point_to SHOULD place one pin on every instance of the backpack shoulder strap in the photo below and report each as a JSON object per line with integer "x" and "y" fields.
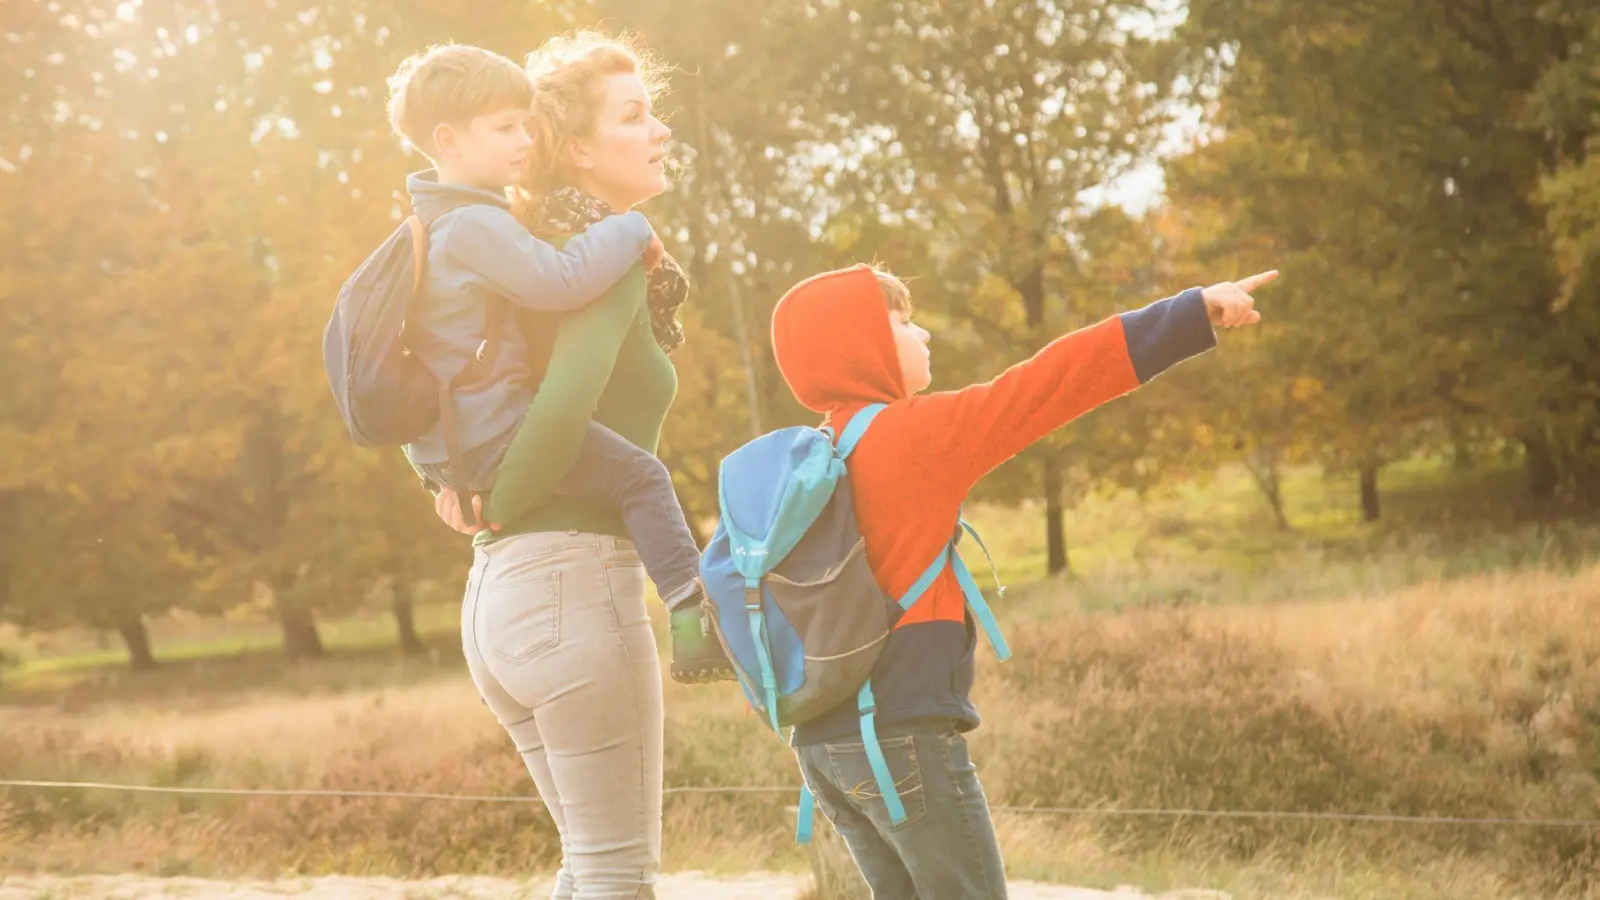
{"x": 440, "y": 210}
{"x": 949, "y": 556}
{"x": 419, "y": 250}
{"x": 857, "y": 427}
{"x": 1000, "y": 589}
{"x": 978, "y": 606}
{"x": 496, "y": 316}
{"x": 447, "y": 410}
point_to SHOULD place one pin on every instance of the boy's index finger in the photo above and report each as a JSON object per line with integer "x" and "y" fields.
{"x": 1257, "y": 280}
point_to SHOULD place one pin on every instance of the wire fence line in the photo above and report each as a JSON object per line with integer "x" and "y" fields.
{"x": 1151, "y": 812}
{"x": 319, "y": 792}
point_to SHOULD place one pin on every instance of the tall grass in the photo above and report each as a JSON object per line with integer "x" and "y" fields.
{"x": 1441, "y": 662}
{"x": 1478, "y": 697}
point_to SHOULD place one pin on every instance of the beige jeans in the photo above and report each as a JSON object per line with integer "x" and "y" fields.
{"x": 559, "y": 644}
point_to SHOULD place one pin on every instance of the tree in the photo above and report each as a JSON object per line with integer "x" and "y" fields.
{"x": 194, "y": 180}
{"x": 1391, "y": 118}
{"x": 106, "y": 564}
{"x": 740, "y": 217}
{"x": 985, "y": 124}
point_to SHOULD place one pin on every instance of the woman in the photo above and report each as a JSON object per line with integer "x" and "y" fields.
{"x": 553, "y": 624}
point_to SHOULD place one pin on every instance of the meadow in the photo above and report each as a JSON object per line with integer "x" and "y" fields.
{"x": 1442, "y": 662}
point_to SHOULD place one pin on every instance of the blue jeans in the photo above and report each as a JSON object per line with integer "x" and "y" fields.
{"x": 612, "y": 471}
{"x": 946, "y": 848}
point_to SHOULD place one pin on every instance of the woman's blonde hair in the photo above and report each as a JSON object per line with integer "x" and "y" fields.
{"x": 567, "y": 74}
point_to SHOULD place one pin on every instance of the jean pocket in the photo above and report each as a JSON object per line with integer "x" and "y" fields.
{"x": 852, "y": 772}
{"x": 622, "y": 554}
{"x": 522, "y": 620}
{"x": 625, "y": 585}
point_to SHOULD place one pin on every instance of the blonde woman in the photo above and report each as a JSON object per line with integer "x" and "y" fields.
{"x": 554, "y": 624}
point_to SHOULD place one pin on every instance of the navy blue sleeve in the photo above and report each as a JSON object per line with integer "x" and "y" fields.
{"x": 1167, "y": 332}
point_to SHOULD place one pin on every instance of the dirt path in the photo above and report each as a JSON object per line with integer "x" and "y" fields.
{"x": 683, "y": 886}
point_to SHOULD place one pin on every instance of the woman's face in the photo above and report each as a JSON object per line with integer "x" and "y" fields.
{"x": 622, "y": 162}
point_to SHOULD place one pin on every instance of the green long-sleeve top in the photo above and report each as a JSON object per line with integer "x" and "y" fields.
{"x": 603, "y": 363}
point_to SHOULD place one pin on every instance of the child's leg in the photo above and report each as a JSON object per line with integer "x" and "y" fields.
{"x": 877, "y": 859}
{"x": 945, "y": 848}
{"x": 611, "y": 470}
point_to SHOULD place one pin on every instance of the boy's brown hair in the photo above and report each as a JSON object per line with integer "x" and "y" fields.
{"x": 896, "y": 295}
{"x": 451, "y": 84}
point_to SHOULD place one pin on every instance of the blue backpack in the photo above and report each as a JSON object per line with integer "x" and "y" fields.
{"x": 386, "y": 396}
{"x": 792, "y": 597}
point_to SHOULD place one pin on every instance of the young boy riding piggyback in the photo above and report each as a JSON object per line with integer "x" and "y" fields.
{"x": 466, "y": 110}
{"x": 846, "y": 344}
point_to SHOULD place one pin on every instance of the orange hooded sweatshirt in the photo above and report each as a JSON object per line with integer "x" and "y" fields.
{"x": 916, "y": 464}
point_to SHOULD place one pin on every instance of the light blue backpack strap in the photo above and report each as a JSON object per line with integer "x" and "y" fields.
{"x": 969, "y": 589}
{"x": 758, "y": 631}
{"x": 806, "y": 820}
{"x": 857, "y": 427}
{"x": 980, "y": 608}
{"x": 1000, "y": 589}
{"x": 880, "y": 766}
{"x": 926, "y": 579}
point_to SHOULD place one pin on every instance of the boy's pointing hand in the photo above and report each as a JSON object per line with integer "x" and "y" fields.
{"x": 1229, "y": 303}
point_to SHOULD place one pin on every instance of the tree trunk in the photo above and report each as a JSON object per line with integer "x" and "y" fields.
{"x": 1540, "y": 464}
{"x": 300, "y": 638}
{"x": 405, "y": 620}
{"x": 1370, "y": 508}
{"x": 10, "y": 523}
{"x": 742, "y": 333}
{"x": 1054, "y": 521}
{"x": 695, "y": 531}
{"x": 1268, "y": 476}
{"x": 1460, "y": 447}
{"x": 1587, "y": 480}
{"x": 707, "y": 493}
{"x": 707, "y": 163}
{"x": 137, "y": 638}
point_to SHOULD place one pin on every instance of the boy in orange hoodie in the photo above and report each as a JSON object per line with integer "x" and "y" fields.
{"x": 844, "y": 340}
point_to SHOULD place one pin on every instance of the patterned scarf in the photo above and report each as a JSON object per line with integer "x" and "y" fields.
{"x": 571, "y": 210}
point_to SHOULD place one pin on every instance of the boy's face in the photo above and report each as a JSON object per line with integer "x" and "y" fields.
{"x": 911, "y": 346}
{"x": 487, "y": 151}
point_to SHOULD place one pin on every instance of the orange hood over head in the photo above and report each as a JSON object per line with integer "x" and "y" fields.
{"x": 833, "y": 342}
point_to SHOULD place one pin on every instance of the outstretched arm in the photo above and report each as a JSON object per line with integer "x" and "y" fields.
{"x": 978, "y": 428}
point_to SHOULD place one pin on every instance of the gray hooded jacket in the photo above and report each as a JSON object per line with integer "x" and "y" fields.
{"x": 478, "y": 251}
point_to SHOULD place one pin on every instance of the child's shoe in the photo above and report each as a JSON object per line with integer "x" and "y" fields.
{"x": 697, "y": 654}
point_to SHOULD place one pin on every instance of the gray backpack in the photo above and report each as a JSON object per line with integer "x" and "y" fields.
{"x": 385, "y": 395}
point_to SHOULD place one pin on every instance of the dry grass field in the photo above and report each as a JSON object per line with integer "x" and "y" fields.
{"x": 1389, "y": 682}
